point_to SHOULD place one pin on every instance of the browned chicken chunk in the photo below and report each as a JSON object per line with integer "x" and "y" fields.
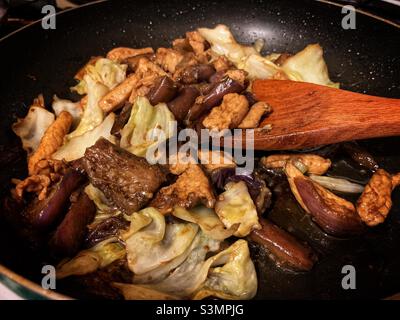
{"x": 375, "y": 202}
{"x": 191, "y": 188}
{"x": 229, "y": 114}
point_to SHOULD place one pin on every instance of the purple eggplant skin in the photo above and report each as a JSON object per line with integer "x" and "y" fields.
{"x": 360, "y": 155}
{"x": 105, "y": 229}
{"x": 286, "y": 249}
{"x": 334, "y": 221}
{"x": 196, "y": 73}
{"x": 45, "y": 213}
{"x": 164, "y": 90}
{"x": 214, "y": 97}
{"x": 122, "y": 119}
{"x": 181, "y": 105}
{"x": 70, "y": 234}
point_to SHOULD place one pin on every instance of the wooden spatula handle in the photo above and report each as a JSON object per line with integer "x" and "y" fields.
{"x": 307, "y": 115}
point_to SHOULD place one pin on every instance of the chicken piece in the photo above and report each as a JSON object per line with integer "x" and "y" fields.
{"x": 121, "y": 53}
{"x": 119, "y": 95}
{"x": 212, "y": 160}
{"x": 375, "y": 202}
{"x": 221, "y": 63}
{"x": 191, "y": 188}
{"x": 315, "y": 164}
{"x": 146, "y": 74}
{"x": 395, "y": 180}
{"x": 196, "y": 41}
{"x": 46, "y": 173}
{"x": 180, "y": 162}
{"x": 237, "y": 75}
{"x": 229, "y": 114}
{"x": 253, "y": 117}
{"x": 37, "y": 183}
{"x": 127, "y": 181}
{"x": 52, "y": 139}
{"x": 168, "y": 59}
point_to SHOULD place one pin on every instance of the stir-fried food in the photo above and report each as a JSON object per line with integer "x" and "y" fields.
{"x": 123, "y": 217}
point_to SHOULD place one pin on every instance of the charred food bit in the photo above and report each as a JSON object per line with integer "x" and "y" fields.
{"x": 128, "y": 181}
{"x": 360, "y": 155}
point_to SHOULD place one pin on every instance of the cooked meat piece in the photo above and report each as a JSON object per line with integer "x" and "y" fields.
{"x": 238, "y": 75}
{"x": 197, "y": 42}
{"x": 180, "y": 162}
{"x": 181, "y": 44}
{"x": 214, "y": 97}
{"x": 122, "y": 118}
{"x": 212, "y": 160}
{"x": 395, "y": 180}
{"x": 52, "y": 139}
{"x": 37, "y": 183}
{"x": 121, "y": 53}
{"x": 126, "y": 180}
{"x": 119, "y": 95}
{"x": 253, "y": 117}
{"x": 133, "y": 62}
{"x": 375, "y": 202}
{"x": 221, "y": 63}
{"x": 229, "y": 114}
{"x": 168, "y": 59}
{"x": 71, "y": 232}
{"x": 191, "y": 188}
{"x": 315, "y": 164}
{"x": 147, "y": 72}
{"x": 105, "y": 229}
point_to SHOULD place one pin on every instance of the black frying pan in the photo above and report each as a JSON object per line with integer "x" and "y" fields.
{"x": 366, "y": 59}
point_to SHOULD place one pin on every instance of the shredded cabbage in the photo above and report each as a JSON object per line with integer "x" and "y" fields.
{"x": 32, "y": 128}
{"x": 136, "y": 135}
{"x": 105, "y": 71}
{"x": 75, "y": 148}
{"x": 235, "y": 207}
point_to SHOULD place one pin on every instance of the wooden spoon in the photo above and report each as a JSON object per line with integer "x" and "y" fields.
{"x": 307, "y": 115}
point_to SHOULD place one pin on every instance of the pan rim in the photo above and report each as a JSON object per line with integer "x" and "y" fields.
{"x": 25, "y": 283}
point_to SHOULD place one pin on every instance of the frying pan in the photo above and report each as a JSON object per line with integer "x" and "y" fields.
{"x": 365, "y": 59}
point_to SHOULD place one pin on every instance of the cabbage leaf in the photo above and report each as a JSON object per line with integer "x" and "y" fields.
{"x": 75, "y": 148}
{"x": 32, "y": 128}
{"x": 235, "y": 206}
{"x": 157, "y": 243}
{"x": 136, "y": 136}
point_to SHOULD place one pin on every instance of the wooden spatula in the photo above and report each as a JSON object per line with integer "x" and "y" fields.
{"x": 308, "y": 115}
